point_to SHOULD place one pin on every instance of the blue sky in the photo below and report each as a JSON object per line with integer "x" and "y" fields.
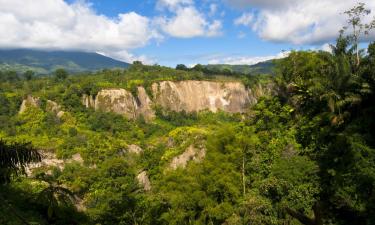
{"x": 170, "y": 32}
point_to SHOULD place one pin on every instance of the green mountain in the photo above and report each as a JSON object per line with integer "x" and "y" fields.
{"x": 265, "y": 67}
{"x": 44, "y": 62}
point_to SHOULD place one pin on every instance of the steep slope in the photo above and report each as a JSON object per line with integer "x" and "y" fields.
{"x": 188, "y": 96}
{"x": 44, "y": 62}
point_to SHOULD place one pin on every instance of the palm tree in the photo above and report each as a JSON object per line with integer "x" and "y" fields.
{"x": 14, "y": 158}
{"x": 54, "y": 196}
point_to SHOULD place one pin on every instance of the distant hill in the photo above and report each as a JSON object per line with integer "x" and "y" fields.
{"x": 265, "y": 67}
{"x": 45, "y": 62}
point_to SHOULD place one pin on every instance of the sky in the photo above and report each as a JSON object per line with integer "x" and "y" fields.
{"x": 171, "y": 32}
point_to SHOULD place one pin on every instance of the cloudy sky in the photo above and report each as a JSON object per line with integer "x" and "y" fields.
{"x": 169, "y": 32}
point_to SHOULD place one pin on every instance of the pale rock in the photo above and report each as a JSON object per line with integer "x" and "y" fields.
{"x": 143, "y": 180}
{"x": 194, "y": 96}
{"x": 135, "y": 149}
{"x": 30, "y": 101}
{"x": 144, "y": 105}
{"x": 55, "y": 108}
{"x": 119, "y": 101}
{"x": 191, "y": 153}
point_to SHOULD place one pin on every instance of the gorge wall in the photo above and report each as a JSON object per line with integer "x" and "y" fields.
{"x": 189, "y": 96}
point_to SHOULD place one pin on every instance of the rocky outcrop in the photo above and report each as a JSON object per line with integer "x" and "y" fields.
{"x": 144, "y": 105}
{"x": 88, "y": 101}
{"x": 193, "y": 96}
{"x": 143, "y": 180}
{"x": 188, "y": 96}
{"x": 191, "y": 153}
{"x": 49, "y": 159}
{"x": 122, "y": 102}
{"x": 28, "y": 102}
{"x": 135, "y": 149}
{"x": 119, "y": 101}
{"x": 55, "y": 108}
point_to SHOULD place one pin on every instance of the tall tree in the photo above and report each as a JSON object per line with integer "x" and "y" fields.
{"x": 356, "y": 15}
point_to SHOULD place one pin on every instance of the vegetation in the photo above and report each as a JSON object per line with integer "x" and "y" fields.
{"x": 305, "y": 155}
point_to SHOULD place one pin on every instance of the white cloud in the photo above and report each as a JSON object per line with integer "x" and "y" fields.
{"x": 129, "y": 57}
{"x": 173, "y": 4}
{"x": 55, "y": 24}
{"x": 298, "y": 21}
{"x": 245, "y": 19}
{"x": 246, "y": 60}
{"x": 187, "y": 21}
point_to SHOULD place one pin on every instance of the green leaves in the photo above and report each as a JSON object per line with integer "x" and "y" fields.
{"x": 14, "y": 158}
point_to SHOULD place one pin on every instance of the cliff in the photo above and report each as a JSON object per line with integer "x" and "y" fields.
{"x": 193, "y": 96}
{"x": 189, "y": 96}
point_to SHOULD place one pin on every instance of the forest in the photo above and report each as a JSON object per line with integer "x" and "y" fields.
{"x": 304, "y": 154}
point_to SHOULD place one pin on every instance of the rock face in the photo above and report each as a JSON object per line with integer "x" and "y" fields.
{"x": 122, "y": 102}
{"x": 193, "y": 96}
{"x": 55, "y": 108}
{"x": 30, "y": 101}
{"x": 135, "y": 149}
{"x": 119, "y": 101}
{"x": 144, "y": 180}
{"x": 50, "y": 160}
{"x": 191, "y": 153}
{"x": 189, "y": 96}
{"x": 144, "y": 104}
{"x": 88, "y": 101}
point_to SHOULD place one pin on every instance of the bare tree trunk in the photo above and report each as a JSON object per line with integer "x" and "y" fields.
{"x": 243, "y": 175}
{"x": 356, "y": 43}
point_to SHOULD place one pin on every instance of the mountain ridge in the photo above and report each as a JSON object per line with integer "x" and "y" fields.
{"x": 45, "y": 62}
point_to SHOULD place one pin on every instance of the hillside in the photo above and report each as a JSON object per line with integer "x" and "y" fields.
{"x": 154, "y": 145}
{"x": 265, "y": 67}
{"x": 45, "y": 62}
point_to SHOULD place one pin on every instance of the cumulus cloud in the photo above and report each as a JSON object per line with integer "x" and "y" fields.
{"x": 55, "y": 24}
{"x": 186, "y": 21}
{"x": 246, "y": 60}
{"x": 297, "y": 21}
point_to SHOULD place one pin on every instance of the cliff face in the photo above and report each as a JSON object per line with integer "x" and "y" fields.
{"x": 193, "y": 96}
{"x": 189, "y": 96}
{"x": 118, "y": 101}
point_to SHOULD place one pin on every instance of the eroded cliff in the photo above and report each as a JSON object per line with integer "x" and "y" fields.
{"x": 188, "y": 96}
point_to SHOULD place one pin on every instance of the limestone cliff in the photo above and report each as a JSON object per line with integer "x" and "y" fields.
{"x": 122, "y": 102}
{"x": 193, "y": 96}
{"x": 144, "y": 105}
{"x": 119, "y": 101}
{"x": 189, "y": 96}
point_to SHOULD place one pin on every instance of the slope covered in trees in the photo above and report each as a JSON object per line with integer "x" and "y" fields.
{"x": 305, "y": 155}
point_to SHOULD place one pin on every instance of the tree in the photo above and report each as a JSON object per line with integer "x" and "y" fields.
{"x": 355, "y": 20}
{"x": 28, "y": 75}
{"x": 14, "y": 158}
{"x": 137, "y": 63}
{"x": 54, "y": 196}
{"x": 181, "y": 67}
{"x": 61, "y": 74}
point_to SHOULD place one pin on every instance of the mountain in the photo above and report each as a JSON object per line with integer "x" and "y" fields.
{"x": 45, "y": 62}
{"x": 265, "y": 67}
